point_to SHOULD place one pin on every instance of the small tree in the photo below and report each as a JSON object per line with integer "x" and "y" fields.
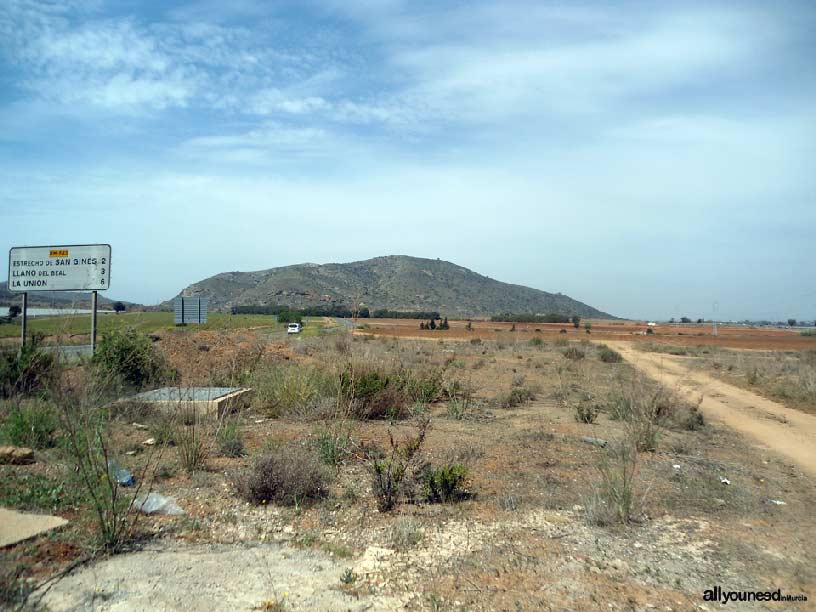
{"x": 685, "y": 320}
{"x": 576, "y": 321}
{"x": 14, "y": 310}
{"x": 588, "y": 327}
{"x": 422, "y": 325}
{"x": 469, "y": 326}
{"x": 119, "y": 307}
{"x": 699, "y": 320}
{"x": 432, "y": 324}
{"x": 444, "y": 324}
{"x": 791, "y": 322}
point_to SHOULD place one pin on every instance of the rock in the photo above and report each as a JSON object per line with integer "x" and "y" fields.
{"x": 594, "y": 441}
{"x": 16, "y": 455}
{"x": 149, "y": 442}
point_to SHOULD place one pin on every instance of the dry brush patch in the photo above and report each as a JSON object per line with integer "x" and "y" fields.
{"x": 524, "y": 478}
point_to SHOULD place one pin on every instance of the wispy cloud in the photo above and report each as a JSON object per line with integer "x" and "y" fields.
{"x": 653, "y": 140}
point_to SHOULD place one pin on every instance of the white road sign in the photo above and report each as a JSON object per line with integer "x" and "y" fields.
{"x": 84, "y": 267}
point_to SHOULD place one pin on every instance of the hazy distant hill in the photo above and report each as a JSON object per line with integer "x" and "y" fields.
{"x": 54, "y": 299}
{"x": 396, "y": 282}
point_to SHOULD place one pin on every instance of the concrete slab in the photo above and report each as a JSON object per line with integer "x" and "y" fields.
{"x": 16, "y": 526}
{"x": 206, "y": 401}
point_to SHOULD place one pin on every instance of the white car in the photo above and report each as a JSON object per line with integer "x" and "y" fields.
{"x": 294, "y": 328}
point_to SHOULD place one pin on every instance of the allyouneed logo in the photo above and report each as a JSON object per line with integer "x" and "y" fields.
{"x": 725, "y": 597}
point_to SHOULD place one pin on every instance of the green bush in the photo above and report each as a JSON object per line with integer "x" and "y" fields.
{"x": 229, "y": 440}
{"x": 608, "y": 355}
{"x": 26, "y": 370}
{"x": 291, "y": 390}
{"x": 536, "y": 342}
{"x": 585, "y": 412}
{"x": 614, "y": 498}
{"x": 130, "y": 359}
{"x": 425, "y": 387}
{"x": 30, "y": 423}
{"x": 333, "y": 447}
{"x": 515, "y": 397}
{"x": 444, "y": 484}
{"x": 376, "y": 394}
{"x": 389, "y": 471}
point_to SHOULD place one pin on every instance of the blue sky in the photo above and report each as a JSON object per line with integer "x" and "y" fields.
{"x": 649, "y": 159}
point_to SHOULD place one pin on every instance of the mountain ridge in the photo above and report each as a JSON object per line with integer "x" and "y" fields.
{"x": 392, "y": 282}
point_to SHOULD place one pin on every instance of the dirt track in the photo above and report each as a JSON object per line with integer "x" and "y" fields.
{"x": 783, "y": 430}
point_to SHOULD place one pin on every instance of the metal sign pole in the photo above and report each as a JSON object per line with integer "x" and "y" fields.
{"x": 25, "y": 318}
{"x": 93, "y": 322}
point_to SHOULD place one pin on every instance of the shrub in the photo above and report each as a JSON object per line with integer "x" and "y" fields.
{"x": 15, "y": 587}
{"x": 536, "y": 342}
{"x": 131, "y": 359}
{"x": 444, "y": 484}
{"x": 425, "y": 387}
{"x": 85, "y": 423}
{"x": 573, "y": 353}
{"x": 26, "y": 370}
{"x": 192, "y": 443}
{"x": 292, "y": 389}
{"x": 389, "y": 470}
{"x": 291, "y": 475}
{"x": 515, "y": 397}
{"x": 374, "y": 394}
{"x": 333, "y": 446}
{"x": 585, "y": 412}
{"x": 30, "y": 423}
{"x": 613, "y": 498}
{"x": 404, "y": 533}
{"x": 608, "y": 355}
{"x": 229, "y": 441}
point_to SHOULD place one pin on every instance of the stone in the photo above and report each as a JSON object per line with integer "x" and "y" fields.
{"x": 594, "y": 441}
{"x": 16, "y": 455}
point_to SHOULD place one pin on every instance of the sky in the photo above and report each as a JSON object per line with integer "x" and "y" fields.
{"x": 652, "y": 159}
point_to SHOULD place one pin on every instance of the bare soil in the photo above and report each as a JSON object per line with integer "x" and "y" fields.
{"x": 520, "y": 541}
{"x": 785, "y": 431}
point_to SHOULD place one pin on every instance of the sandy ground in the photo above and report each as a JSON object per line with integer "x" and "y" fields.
{"x": 786, "y": 431}
{"x": 206, "y": 577}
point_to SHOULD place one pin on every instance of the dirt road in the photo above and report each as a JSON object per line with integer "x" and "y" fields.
{"x": 783, "y": 430}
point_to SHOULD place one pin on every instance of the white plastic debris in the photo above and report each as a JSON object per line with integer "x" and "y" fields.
{"x": 778, "y": 502}
{"x": 724, "y": 480}
{"x": 157, "y": 504}
{"x": 149, "y": 442}
{"x": 676, "y": 466}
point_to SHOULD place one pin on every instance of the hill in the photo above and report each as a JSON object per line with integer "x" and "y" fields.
{"x": 395, "y": 282}
{"x": 56, "y": 299}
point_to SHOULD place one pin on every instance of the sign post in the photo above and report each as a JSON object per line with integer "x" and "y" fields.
{"x": 93, "y": 322}
{"x": 24, "y": 323}
{"x": 77, "y": 267}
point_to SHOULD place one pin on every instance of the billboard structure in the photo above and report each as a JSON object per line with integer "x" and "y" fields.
{"x": 190, "y": 310}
